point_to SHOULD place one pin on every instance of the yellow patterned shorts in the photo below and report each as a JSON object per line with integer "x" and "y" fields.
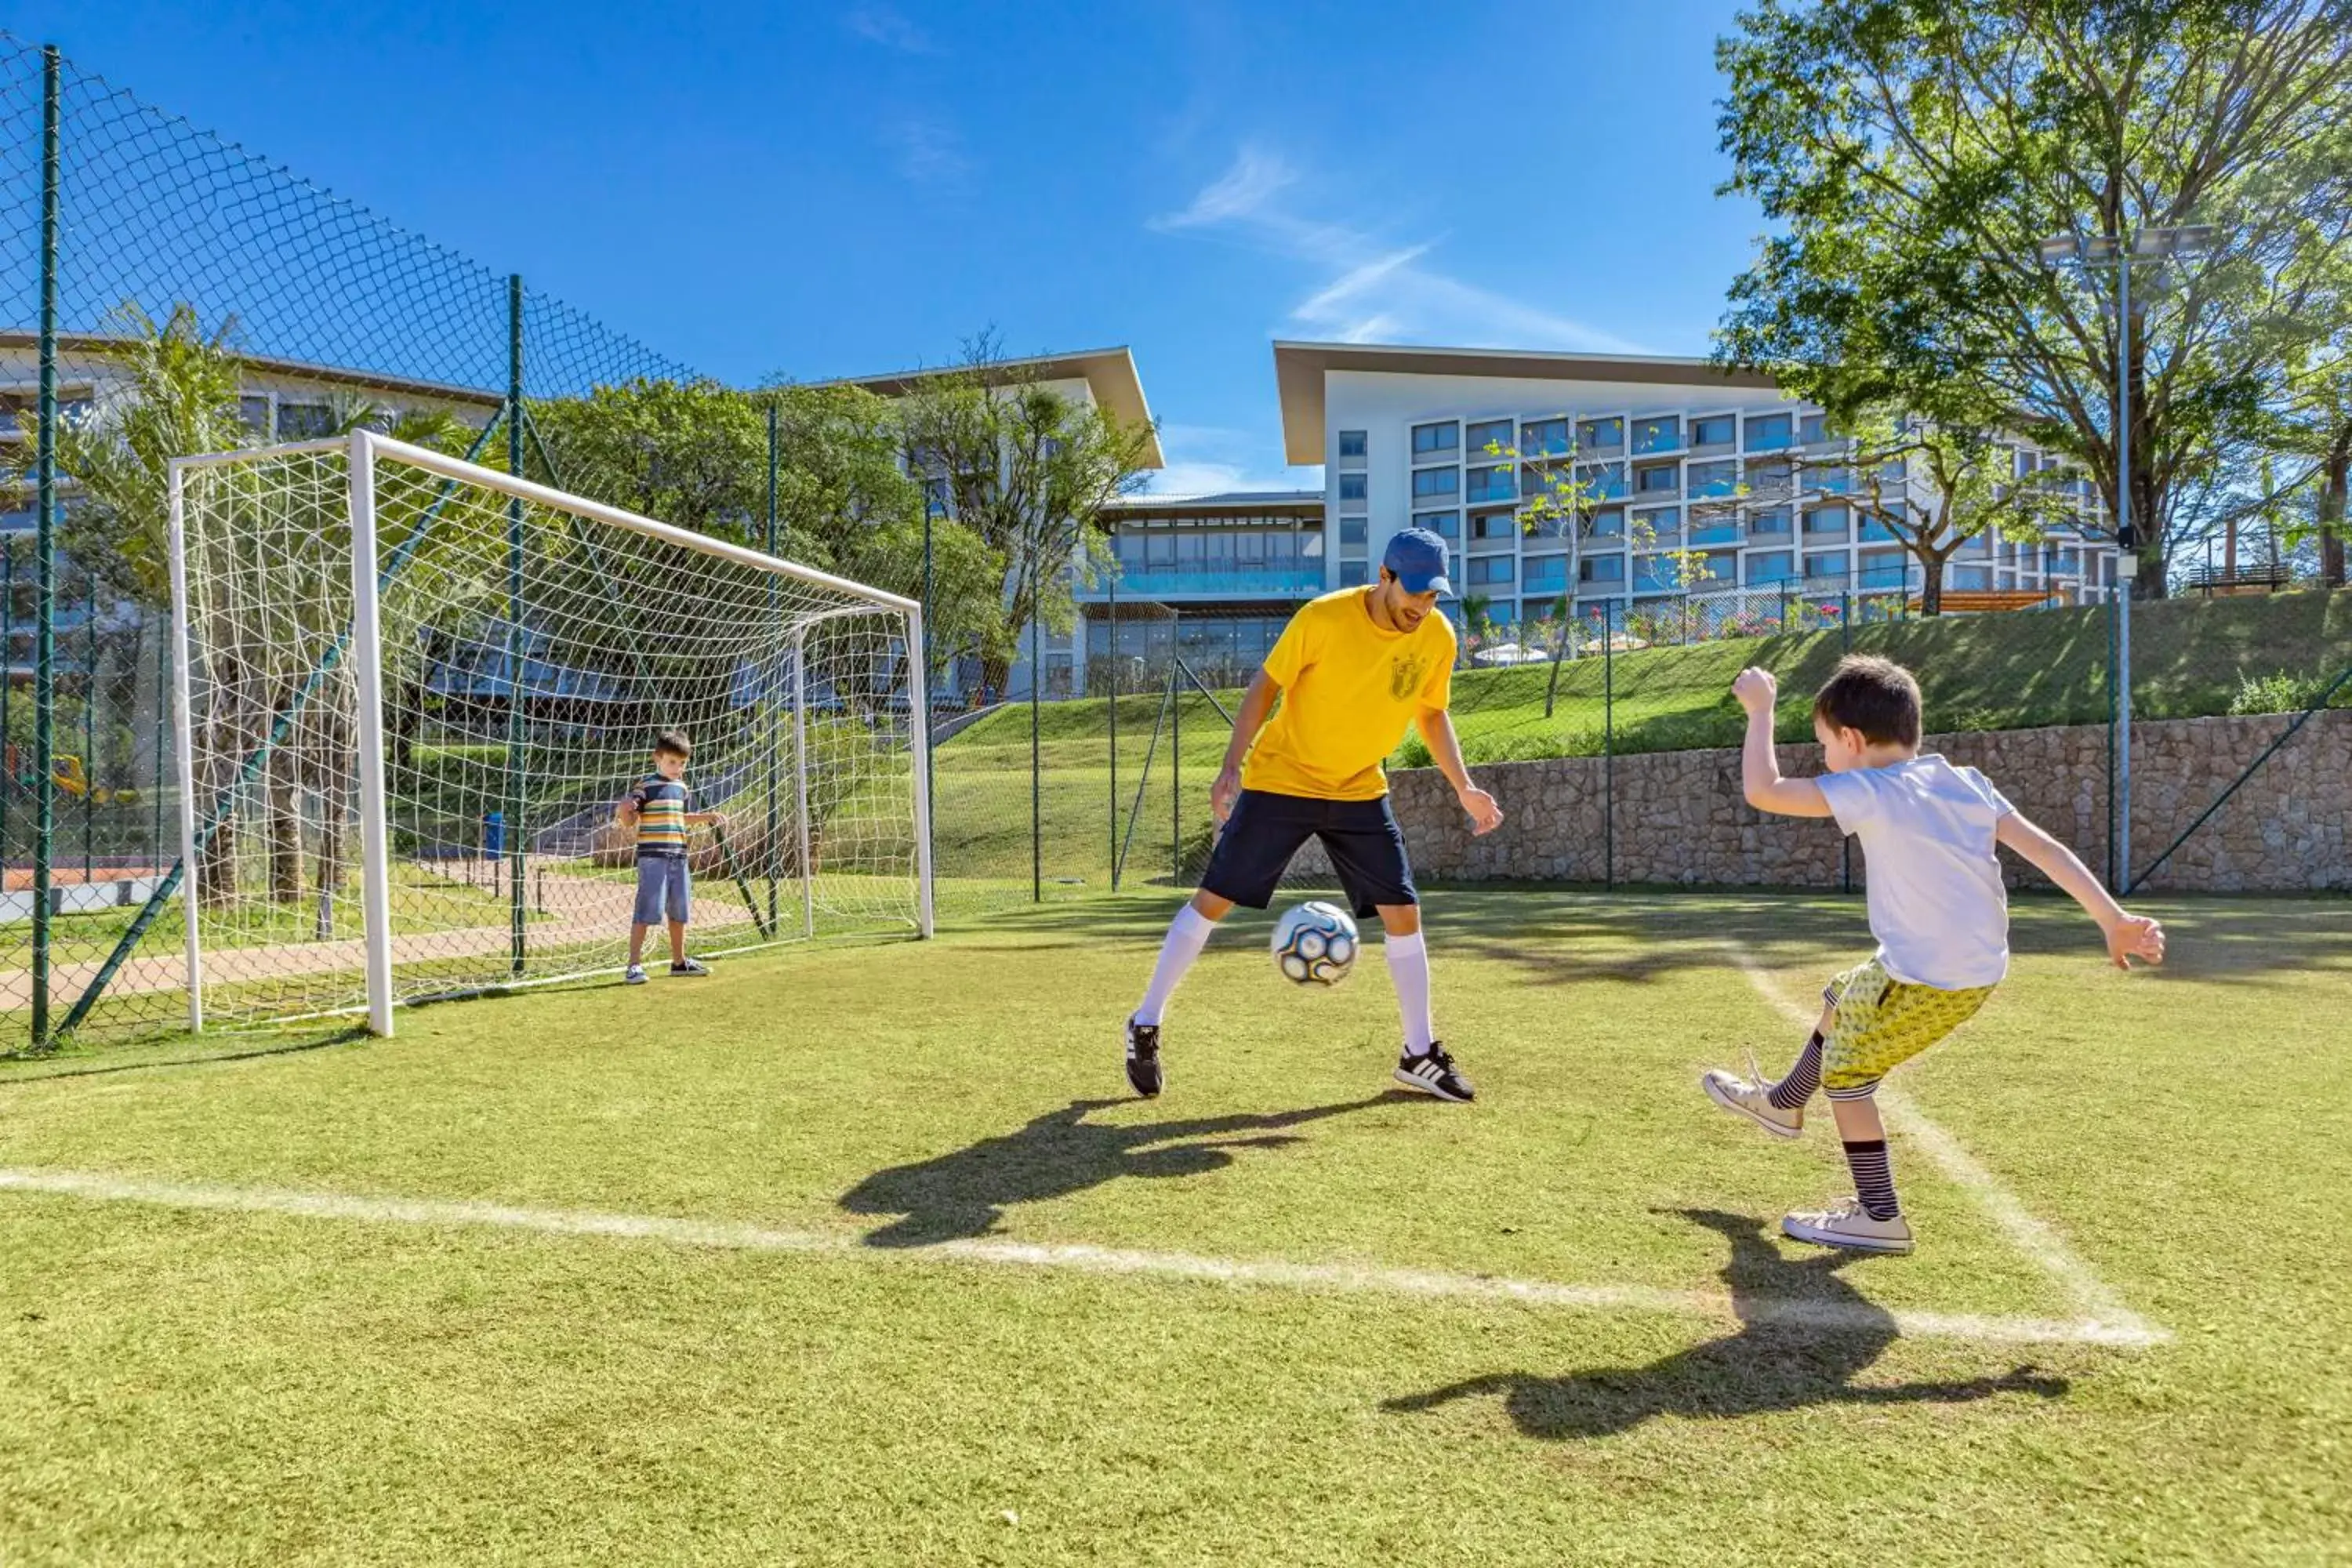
{"x": 1881, "y": 1021}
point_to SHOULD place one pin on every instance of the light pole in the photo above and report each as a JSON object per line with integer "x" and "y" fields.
{"x": 2097, "y": 252}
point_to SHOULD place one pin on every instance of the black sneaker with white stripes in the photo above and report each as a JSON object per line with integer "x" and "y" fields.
{"x": 1143, "y": 1058}
{"x": 1432, "y": 1072}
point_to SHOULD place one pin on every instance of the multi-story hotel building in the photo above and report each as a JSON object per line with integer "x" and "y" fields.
{"x": 1678, "y": 455}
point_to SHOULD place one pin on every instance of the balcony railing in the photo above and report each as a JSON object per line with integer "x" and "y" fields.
{"x": 1242, "y": 583}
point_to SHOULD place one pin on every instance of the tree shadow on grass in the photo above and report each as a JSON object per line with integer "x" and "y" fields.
{"x": 964, "y": 1194}
{"x": 1805, "y": 1334}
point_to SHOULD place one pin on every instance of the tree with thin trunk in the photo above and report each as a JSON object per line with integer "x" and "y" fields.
{"x": 1029, "y": 470}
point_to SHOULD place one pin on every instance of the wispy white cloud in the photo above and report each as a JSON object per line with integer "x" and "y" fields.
{"x": 1203, "y": 459}
{"x": 929, "y": 150}
{"x": 1374, "y": 289}
{"x": 879, "y": 24}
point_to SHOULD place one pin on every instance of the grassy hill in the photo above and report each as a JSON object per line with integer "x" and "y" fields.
{"x": 2190, "y": 657}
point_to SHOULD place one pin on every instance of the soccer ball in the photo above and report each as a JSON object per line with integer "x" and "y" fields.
{"x": 1314, "y": 945}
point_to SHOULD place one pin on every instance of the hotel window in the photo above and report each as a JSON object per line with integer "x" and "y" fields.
{"x": 1663, "y": 434}
{"x": 1768, "y": 433}
{"x": 1492, "y": 484}
{"x": 1546, "y": 572}
{"x": 1874, "y": 530}
{"x": 1444, "y": 482}
{"x": 1354, "y": 574}
{"x": 1600, "y": 569}
{"x": 1773, "y": 523}
{"x": 1352, "y": 530}
{"x": 1494, "y": 525}
{"x": 1812, "y": 428}
{"x": 1601, "y": 481}
{"x": 1352, "y": 487}
{"x": 1664, "y": 524}
{"x": 1352, "y": 443}
{"x": 304, "y": 421}
{"x": 1720, "y": 478}
{"x": 1444, "y": 524}
{"x": 1771, "y": 566}
{"x": 1884, "y": 568}
{"x": 1659, "y": 478}
{"x": 1435, "y": 440}
{"x": 1544, "y": 439}
{"x": 1159, "y": 548}
{"x": 1715, "y": 430}
{"x": 1819, "y": 566}
{"x": 1825, "y": 522}
{"x": 1971, "y": 579}
{"x": 1600, "y": 434}
{"x": 1715, "y": 528}
{"x": 1490, "y": 569}
{"x": 1653, "y": 573}
{"x": 1607, "y": 523}
{"x": 1489, "y": 438}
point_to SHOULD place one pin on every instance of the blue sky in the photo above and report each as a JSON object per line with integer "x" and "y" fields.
{"x": 839, "y": 186}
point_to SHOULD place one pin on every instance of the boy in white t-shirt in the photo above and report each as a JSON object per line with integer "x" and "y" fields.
{"x": 1937, "y": 907}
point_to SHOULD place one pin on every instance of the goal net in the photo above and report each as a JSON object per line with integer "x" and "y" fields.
{"x": 414, "y": 690}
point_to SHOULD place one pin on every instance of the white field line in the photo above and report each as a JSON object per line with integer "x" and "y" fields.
{"x": 2032, "y": 1236}
{"x": 1265, "y": 1273}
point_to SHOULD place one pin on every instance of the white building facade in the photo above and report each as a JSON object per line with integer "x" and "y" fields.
{"x": 1706, "y": 483}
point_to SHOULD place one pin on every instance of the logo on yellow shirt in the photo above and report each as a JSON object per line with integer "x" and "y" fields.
{"x": 1407, "y": 673}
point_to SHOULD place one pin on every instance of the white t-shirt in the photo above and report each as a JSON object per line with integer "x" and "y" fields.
{"x": 1936, "y": 904}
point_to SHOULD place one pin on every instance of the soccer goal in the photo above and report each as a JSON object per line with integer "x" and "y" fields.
{"x": 411, "y": 691}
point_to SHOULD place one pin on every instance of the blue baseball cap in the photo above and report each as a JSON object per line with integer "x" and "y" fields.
{"x": 1418, "y": 558}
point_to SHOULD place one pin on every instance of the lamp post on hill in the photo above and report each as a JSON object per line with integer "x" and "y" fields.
{"x": 2087, "y": 254}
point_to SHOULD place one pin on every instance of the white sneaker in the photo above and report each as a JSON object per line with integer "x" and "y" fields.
{"x": 633, "y": 975}
{"x": 1846, "y": 1223}
{"x": 1752, "y": 1100}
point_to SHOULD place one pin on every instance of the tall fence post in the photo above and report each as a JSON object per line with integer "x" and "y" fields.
{"x": 1037, "y": 762}
{"x": 90, "y": 731}
{"x": 1175, "y": 768}
{"x": 1608, "y": 743}
{"x": 516, "y": 830}
{"x": 8, "y": 681}
{"x": 44, "y": 674}
{"x": 1114, "y": 727}
{"x": 1846, "y": 645}
{"x": 774, "y": 828}
{"x": 2114, "y": 620}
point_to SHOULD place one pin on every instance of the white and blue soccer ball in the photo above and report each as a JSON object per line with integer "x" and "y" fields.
{"x": 1314, "y": 945}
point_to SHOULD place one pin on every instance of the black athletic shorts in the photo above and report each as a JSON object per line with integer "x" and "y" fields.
{"x": 1266, "y": 830}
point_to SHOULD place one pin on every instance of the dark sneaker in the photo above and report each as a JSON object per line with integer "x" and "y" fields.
{"x": 1433, "y": 1072}
{"x": 1143, "y": 1058}
{"x": 691, "y": 966}
{"x": 633, "y": 975}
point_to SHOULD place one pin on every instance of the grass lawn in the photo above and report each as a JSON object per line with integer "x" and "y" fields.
{"x": 2190, "y": 657}
{"x": 901, "y": 1275}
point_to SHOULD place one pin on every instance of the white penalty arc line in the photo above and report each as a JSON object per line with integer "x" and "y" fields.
{"x": 1342, "y": 1279}
{"x": 2034, "y": 1237}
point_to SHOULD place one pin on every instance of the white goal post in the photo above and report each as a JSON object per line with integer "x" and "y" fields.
{"x": 411, "y": 692}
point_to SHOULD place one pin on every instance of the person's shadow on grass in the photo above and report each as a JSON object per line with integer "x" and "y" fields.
{"x": 964, "y": 1194}
{"x": 1805, "y": 1334}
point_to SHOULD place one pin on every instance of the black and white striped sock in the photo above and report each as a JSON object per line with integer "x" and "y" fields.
{"x": 1791, "y": 1092}
{"x": 1873, "y": 1183}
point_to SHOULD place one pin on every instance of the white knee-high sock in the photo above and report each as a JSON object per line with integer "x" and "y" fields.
{"x": 1187, "y": 935}
{"x": 1408, "y": 958}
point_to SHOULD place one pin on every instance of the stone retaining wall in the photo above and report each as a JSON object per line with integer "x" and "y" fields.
{"x": 1679, "y": 815}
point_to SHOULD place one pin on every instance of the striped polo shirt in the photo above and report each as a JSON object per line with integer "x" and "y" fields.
{"x": 661, "y": 818}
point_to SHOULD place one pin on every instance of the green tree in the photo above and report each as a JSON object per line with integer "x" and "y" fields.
{"x": 848, "y": 505}
{"x": 1028, "y": 470}
{"x": 1913, "y": 151}
{"x": 690, "y": 453}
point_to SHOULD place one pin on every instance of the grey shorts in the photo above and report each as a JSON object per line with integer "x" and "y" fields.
{"x": 662, "y": 888}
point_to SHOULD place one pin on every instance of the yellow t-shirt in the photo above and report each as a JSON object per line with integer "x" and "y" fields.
{"x": 1350, "y": 691}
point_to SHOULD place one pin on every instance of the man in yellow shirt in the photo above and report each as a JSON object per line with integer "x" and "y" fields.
{"x": 1353, "y": 671}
